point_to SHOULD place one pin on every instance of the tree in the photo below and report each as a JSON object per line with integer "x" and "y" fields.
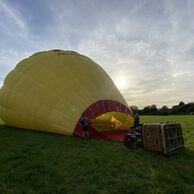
{"x": 181, "y": 108}
{"x": 164, "y": 110}
{"x": 190, "y": 109}
{"x": 134, "y": 108}
{"x": 146, "y": 110}
{"x": 181, "y": 103}
{"x": 174, "y": 110}
{"x": 153, "y": 110}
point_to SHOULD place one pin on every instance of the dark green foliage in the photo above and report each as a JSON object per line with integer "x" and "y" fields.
{"x": 42, "y": 163}
{"x": 150, "y": 110}
{"x": 164, "y": 110}
{"x": 180, "y": 109}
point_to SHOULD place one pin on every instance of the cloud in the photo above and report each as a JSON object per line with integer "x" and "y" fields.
{"x": 11, "y": 13}
{"x": 148, "y": 43}
{"x": 10, "y": 16}
{"x": 1, "y": 81}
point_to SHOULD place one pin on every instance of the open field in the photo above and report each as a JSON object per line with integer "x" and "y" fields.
{"x": 42, "y": 163}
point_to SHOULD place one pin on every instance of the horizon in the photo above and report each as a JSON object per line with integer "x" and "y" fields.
{"x": 146, "y": 47}
{"x": 159, "y": 107}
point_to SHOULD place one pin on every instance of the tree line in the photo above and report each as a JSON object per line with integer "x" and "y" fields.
{"x": 179, "y": 109}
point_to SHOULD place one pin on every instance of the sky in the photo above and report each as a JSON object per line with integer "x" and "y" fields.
{"x": 146, "y": 46}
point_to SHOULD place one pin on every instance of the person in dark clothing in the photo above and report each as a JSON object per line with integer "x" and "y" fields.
{"x": 133, "y": 138}
{"x": 85, "y": 125}
{"x": 137, "y": 121}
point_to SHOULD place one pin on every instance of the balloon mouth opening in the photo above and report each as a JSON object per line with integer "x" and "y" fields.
{"x": 112, "y": 121}
{"x": 105, "y": 118}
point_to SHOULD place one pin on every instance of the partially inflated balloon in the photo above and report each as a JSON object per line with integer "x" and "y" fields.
{"x": 50, "y": 90}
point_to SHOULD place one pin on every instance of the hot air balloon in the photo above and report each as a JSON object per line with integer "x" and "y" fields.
{"x": 50, "y": 90}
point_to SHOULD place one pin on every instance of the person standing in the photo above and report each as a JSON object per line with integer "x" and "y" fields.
{"x": 85, "y": 125}
{"x": 137, "y": 121}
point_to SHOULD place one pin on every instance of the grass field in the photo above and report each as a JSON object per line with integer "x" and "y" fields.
{"x": 42, "y": 163}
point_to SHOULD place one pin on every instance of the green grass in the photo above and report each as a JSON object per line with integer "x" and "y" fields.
{"x": 42, "y": 163}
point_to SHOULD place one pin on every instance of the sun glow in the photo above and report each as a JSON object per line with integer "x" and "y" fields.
{"x": 120, "y": 83}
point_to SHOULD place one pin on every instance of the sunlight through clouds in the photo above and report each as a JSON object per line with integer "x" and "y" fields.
{"x": 145, "y": 46}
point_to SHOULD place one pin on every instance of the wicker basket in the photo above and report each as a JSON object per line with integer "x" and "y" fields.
{"x": 166, "y": 138}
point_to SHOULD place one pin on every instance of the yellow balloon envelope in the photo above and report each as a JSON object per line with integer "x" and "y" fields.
{"x": 50, "y": 90}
